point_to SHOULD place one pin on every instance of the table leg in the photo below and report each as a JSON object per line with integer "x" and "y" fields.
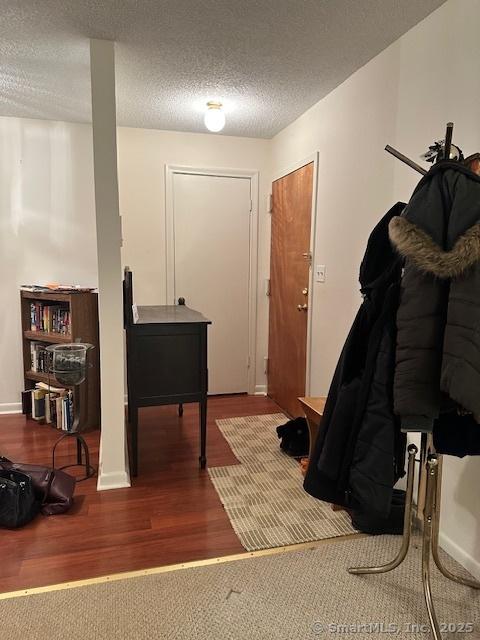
{"x": 203, "y": 433}
{"x": 134, "y": 435}
{"x": 129, "y": 409}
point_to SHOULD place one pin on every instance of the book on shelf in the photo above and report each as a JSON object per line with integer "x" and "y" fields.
{"x": 50, "y": 405}
{"x": 38, "y": 357}
{"x": 49, "y": 318}
{"x": 27, "y": 402}
{"x": 38, "y": 404}
{"x": 58, "y": 402}
{"x": 49, "y": 387}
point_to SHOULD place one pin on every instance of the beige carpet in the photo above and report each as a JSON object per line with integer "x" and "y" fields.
{"x": 286, "y": 596}
{"x": 263, "y": 496}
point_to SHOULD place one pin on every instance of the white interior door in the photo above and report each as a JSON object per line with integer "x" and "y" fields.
{"x": 211, "y": 217}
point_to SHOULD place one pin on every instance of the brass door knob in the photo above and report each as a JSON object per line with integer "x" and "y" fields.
{"x": 305, "y": 291}
{"x": 302, "y": 307}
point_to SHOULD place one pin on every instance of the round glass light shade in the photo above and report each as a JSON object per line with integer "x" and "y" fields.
{"x": 214, "y": 117}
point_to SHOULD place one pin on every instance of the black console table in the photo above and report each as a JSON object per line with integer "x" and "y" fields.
{"x": 166, "y": 362}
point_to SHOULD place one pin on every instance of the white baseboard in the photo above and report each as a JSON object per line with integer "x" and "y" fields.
{"x": 113, "y": 480}
{"x": 11, "y": 407}
{"x": 261, "y": 390}
{"x": 470, "y": 563}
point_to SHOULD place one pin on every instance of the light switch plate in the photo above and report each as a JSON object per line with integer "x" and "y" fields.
{"x": 320, "y": 273}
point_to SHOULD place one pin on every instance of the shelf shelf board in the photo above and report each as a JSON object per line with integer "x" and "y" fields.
{"x": 37, "y": 376}
{"x": 51, "y": 297}
{"x": 43, "y": 336}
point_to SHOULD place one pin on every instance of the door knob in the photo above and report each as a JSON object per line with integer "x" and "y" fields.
{"x": 305, "y": 291}
{"x": 302, "y": 307}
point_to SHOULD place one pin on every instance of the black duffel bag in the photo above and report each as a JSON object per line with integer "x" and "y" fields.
{"x": 18, "y": 504}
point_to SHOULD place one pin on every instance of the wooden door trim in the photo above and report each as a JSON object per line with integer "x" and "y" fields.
{"x": 253, "y": 176}
{"x": 281, "y": 173}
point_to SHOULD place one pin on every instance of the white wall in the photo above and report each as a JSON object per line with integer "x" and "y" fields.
{"x": 143, "y": 154}
{"x": 47, "y": 215}
{"x": 47, "y": 224}
{"x": 438, "y": 83}
{"x": 403, "y": 97}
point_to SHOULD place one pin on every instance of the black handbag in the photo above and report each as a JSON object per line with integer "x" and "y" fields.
{"x": 17, "y": 499}
{"x": 53, "y": 488}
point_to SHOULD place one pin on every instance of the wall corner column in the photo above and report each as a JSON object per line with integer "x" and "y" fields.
{"x": 113, "y": 460}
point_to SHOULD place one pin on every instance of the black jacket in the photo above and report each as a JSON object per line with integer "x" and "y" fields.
{"x": 438, "y": 343}
{"x": 359, "y": 452}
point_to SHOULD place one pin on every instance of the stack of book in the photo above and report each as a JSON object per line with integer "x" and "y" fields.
{"x": 50, "y": 405}
{"x": 53, "y": 287}
{"x": 49, "y": 318}
{"x": 38, "y": 357}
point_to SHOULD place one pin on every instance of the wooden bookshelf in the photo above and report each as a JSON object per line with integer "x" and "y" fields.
{"x": 83, "y": 309}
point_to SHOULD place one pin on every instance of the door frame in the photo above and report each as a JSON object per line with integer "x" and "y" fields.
{"x": 314, "y": 157}
{"x": 253, "y": 176}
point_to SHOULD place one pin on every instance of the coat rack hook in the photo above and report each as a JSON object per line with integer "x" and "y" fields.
{"x": 407, "y": 161}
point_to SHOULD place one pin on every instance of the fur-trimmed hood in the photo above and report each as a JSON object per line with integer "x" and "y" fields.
{"x": 414, "y": 243}
{"x": 439, "y": 230}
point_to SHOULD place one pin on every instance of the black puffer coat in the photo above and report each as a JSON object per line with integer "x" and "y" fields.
{"x": 359, "y": 453}
{"x": 438, "y": 343}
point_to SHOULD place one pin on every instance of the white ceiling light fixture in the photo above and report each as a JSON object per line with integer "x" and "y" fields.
{"x": 214, "y": 116}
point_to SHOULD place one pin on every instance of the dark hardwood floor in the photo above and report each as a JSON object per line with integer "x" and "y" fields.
{"x": 171, "y": 514}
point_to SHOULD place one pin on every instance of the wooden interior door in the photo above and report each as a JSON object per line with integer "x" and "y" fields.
{"x": 289, "y": 281}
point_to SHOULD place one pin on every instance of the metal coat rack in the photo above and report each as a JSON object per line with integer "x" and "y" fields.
{"x": 429, "y": 486}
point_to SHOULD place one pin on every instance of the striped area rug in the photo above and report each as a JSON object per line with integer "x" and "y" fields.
{"x": 263, "y": 495}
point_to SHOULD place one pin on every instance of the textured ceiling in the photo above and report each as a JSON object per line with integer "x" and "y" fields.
{"x": 267, "y": 60}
